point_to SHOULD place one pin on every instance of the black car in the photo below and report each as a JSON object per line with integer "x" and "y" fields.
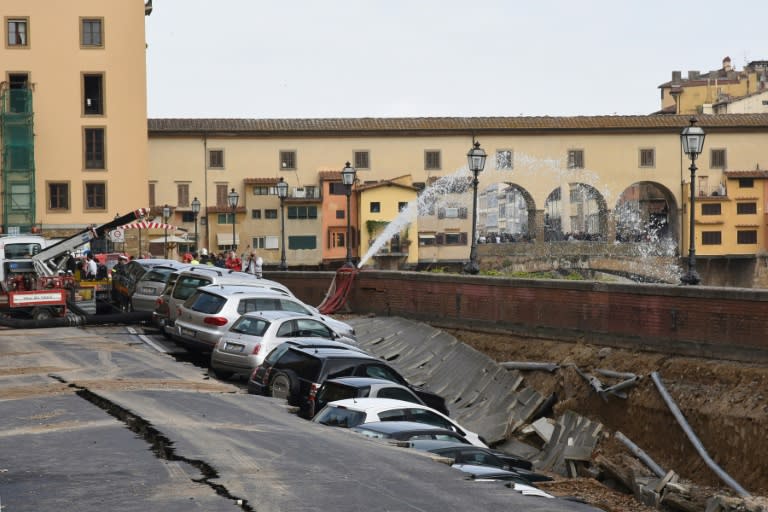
{"x": 363, "y": 387}
{"x": 408, "y": 431}
{"x": 296, "y": 374}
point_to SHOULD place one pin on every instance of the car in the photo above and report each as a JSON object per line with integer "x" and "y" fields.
{"x": 182, "y": 284}
{"x": 352, "y": 412}
{"x": 464, "y": 454}
{"x": 298, "y": 374}
{"x": 252, "y": 336}
{"x": 255, "y": 385}
{"x": 125, "y": 277}
{"x": 362, "y": 387}
{"x": 407, "y": 431}
{"x": 149, "y": 286}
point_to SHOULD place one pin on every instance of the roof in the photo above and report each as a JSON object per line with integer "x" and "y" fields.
{"x": 388, "y": 427}
{"x": 385, "y": 183}
{"x": 376, "y": 404}
{"x": 363, "y": 381}
{"x": 426, "y": 125}
{"x": 756, "y": 173}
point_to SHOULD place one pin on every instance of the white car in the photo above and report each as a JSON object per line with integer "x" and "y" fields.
{"x": 352, "y": 412}
{"x": 255, "y": 334}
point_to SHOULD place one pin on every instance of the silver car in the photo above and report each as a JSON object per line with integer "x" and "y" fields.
{"x": 151, "y": 285}
{"x": 211, "y": 310}
{"x": 254, "y": 335}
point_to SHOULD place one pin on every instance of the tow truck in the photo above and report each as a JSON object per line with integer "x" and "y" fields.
{"x": 34, "y": 282}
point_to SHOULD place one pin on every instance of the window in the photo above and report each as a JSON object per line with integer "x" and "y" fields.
{"x": 504, "y": 159}
{"x": 402, "y": 205}
{"x": 455, "y": 239}
{"x": 264, "y": 190}
{"x": 426, "y": 239}
{"x": 270, "y": 214}
{"x": 18, "y": 32}
{"x": 340, "y": 214}
{"x": 302, "y": 212}
{"x": 95, "y": 195}
{"x": 710, "y": 209}
{"x": 432, "y": 160}
{"x": 221, "y": 195}
{"x": 362, "y": 160}
{"x": 375, "y": 207}
{"x": 647, "y": 158}
{"x": 287, "y": 160}
{"x": 337, "y": 189}
{"x": 94, "y": 148}
{"x": 302, "y": 242}
{"x": 21, "y": 196}
{"x": 711, "y": 238}
{"x": 746, "y": 182}
{"x": 187, "y": 217}
{"x": 746, "y": 208}
{"x": 575, "y": 158}
{"x": 19, "y": 93}
{"x": 746, "y": 237}
{"x": 457, "y": 212}
{"x": 225, "y": 218}
{"x": 336, "y": 239}
{"x": 91, "y": 32}
{"x": 182, "y": 194}
{"x": 717, "y": 159}
{"x": 152, "y": 200}
{"x": 93, "y": 95}
{"x": 58, "y": 196}
{"x": 255, "y": 214}
{"x": 215, "y": 158}
{"x": 265, "y": 242}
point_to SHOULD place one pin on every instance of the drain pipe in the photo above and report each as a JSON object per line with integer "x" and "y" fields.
{"x": 725, "y": 477}
{"x": 75, "y": 320}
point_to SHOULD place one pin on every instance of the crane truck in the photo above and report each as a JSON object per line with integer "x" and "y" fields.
{"x": 33, "y": 278}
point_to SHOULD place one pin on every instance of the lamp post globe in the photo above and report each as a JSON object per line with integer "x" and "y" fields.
{"x": 233, "y": 197}
{"x": 692, "y": 140}
{"x": 476, "y": 163}
{"x": 195, "y": 211}
{"x": 282, "y": 193}
{"x": 348, "y": 179}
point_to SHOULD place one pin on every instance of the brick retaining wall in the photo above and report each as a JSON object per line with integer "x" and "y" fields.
{"x": 728, "y": 323}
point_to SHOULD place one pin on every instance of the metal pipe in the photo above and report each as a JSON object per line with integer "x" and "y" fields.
{"x": 640, "y": 454}
{"x": 528, "y": 365}
{"x": 725, "y": 477}
{"x": 614, "y": 374}
{"x": 622, "y": 385}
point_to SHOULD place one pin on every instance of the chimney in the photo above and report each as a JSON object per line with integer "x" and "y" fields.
{"x": 677, "y": 76}
{"x": 693, "y": 75}
{"x": 727, "y": 64}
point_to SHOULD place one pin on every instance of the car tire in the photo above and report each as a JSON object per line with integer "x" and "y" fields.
{"x": 284, "y": 384}
{"x": 220, "y": 374}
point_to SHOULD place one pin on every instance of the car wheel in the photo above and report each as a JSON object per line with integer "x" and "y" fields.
{"x": 283, "y": 385}
{"x": 220, "y": 374}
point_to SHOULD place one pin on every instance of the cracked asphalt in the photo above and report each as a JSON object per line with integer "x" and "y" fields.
{"x": 106, "y": 419}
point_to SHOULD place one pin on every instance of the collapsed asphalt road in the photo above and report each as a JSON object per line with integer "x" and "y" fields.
{"x": 92, "y": 422}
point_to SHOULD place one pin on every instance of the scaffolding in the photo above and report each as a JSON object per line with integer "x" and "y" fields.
{"x": 18, "y": 159}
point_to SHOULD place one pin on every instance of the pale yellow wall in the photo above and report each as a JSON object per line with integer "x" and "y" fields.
{"x": 388, "y": 197}
{"x": 749, "y": 105}
{"x": 55, "y": 62}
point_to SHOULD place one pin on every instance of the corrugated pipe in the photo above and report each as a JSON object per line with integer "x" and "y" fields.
{"x": 76, "y": 320}
{"x": 725, "y": 477}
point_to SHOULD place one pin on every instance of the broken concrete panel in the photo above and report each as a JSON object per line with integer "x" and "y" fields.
{"x": 543, "y": 428}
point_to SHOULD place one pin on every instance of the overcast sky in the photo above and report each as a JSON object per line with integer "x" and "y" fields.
{"x": 423, "y": 58}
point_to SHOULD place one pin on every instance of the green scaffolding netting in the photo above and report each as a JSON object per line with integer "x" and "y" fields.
{"x": 18, "y": 159}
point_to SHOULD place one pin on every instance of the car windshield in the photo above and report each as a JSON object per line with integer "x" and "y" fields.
{"x": 187, "y": 285}
{"x": 332, "y": 391}
{"x": 250, "y": 326}
{"x": 339, "y": 417}
{"x": 21, "y": 250}
{"x": 206, "y": 303}
{"x": 157, "y": 275}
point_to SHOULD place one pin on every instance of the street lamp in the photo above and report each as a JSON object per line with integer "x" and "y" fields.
{"x": 166, "y": 214}
{"x": 232, "y": 198}
{"x": 692, "y": 138}
{"x": 476, "y": 162}
{"x": 348, "y": 179}
{"x": 195, "y": 212}
{"x": 282, "y": 193}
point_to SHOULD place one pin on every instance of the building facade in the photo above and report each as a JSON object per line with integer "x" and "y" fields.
{"x": 73, "y": 113}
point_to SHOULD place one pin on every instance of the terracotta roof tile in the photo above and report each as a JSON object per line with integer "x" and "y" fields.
{"x": 755, "y": 173}
{"x": 261, "y": 181}
{"x": 384, "y": 183}
{"x": 338, "y": 126}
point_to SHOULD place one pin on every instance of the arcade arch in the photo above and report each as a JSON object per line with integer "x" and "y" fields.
{"x": 582, "y": 214}
{"x": 646, "y": 212}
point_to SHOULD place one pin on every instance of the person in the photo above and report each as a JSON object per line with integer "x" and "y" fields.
{"x": 91, "y": 267}
{"x": 254, "y": 265}
{"x": 233, "y": 262}
{"x": 194, "y": 260}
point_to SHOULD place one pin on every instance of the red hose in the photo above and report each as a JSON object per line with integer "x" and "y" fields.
{"x": 337, "y": 294}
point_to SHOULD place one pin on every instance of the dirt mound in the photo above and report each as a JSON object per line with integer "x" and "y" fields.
{"x": 725, "y": 402}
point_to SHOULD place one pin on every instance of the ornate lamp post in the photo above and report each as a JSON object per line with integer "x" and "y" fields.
{"x": 166, "y": 214}
{"x": 476, "y": 162}
{"x": 232, "y": 198}
{"x": 692, "y": 138}
{"x": 348, "y": 179}
{"x": 282, "y": 193}
{"x": 195, "y": 212}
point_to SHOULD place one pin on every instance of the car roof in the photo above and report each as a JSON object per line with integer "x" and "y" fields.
{"x": 253, "y": 290}
{"x": 376, "y": 404}
{"x": 388, "y": 427}
{"x": 435, "y": 444}
{"x": 329, "y": 352}
{"x": 359, "y": 382}
{"x": 322, "y": 343}
{"x": 277, "y": 314}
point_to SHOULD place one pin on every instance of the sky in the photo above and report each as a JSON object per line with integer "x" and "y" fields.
{"x": 433, "y": 58}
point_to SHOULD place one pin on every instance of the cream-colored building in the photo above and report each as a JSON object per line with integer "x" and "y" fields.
{"x": 74, "y": 138}
{"x": 618, "y": 178}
